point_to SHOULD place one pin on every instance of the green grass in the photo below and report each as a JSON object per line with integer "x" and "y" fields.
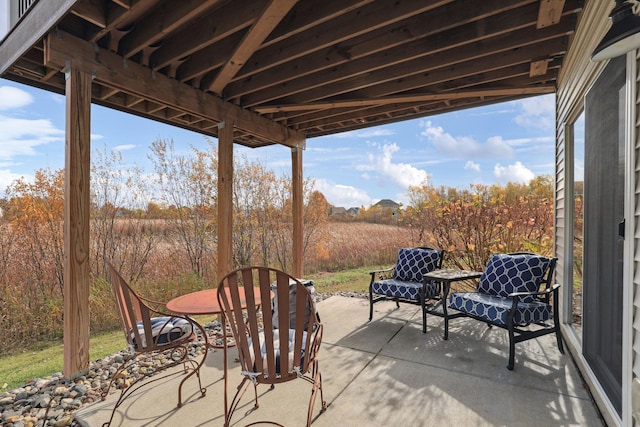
{"x": 354, "y": 280}
{"x": 46, "y": 358}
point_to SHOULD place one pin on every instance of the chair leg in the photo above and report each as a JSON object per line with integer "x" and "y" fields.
{"x": 370, "y": 303}
{"x": 556, "y": 324}
{"x": 195, "y": 369}
{"x": 512, "y": 346}
{"x": 445, "y": 314}
{"x": 317, "y": 386}
{"x": 559, "y": 339}
{"x": 424, "y": 314}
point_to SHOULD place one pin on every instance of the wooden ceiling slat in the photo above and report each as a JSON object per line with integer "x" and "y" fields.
{"x": 138, "y": 80}
{"x": 214, "y": 56}
{"x": 92, "y": 11}
{"x": 467, "y": 70}
{"x": 374, "y": 70}
{"x": 119, "y": 16}
{"x": 509, "y": 76}
{"x": 161, "y": 22}
{"x": 209, "y": 58}
{"x": 293, "y": 73}
{"x": 324, "y": 66}
{"x": 259, "y": 31}
{"x": 208, "y": 29}
{"x": 369, "y": 18}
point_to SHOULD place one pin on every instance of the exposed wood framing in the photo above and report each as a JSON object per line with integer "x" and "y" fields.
{"x": 549, "y": 13}
{"x": 259, "y": 31}
{"x": 129, "y": 77}
{"x": 539, "y": 68}
{"x": 538, "y": 90}
{"x": 41, "y": 16}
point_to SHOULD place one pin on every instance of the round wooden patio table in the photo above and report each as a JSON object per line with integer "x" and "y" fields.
{"x": 204, "y": 302}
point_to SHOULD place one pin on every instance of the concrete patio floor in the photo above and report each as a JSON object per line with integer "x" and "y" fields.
{"x": 385, "y": 372}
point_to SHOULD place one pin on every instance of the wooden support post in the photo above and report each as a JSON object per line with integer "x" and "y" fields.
{"x": 76, "y": 222}
{"x": 225, "y": 198}
{"x": 297, "y": 206}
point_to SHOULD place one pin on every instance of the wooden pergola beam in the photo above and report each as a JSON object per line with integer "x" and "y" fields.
{"x": 407, "y": 98}
{"x": 113, "y": 70}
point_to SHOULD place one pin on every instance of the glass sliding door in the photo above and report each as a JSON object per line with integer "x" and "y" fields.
{"x": 604, "y": 173}
{"x": 577, "y": 200}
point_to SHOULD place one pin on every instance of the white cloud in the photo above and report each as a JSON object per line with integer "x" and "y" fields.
{"x": 471, "y": 165}
{"x": 12, "y": 97}
{"x": 124, "y": 147}
{"x": 516, "y": 172}
{"x": 403, "y": 175}
{"x": 536, "y": 112}
{"x": 21, "y": 136}
{"x": 343, "y": 195}
{"x": 465, "y": 147}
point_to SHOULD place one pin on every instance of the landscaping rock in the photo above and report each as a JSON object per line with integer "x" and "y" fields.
{"x": 51, "y": 401}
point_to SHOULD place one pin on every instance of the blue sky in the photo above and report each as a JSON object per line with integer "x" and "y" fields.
{"x": 511, "y": 141}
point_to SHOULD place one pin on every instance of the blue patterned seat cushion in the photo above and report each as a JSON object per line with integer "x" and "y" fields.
{"x": 276, "y": 348}
{"x": 506, "y": 274}
{"x": 404, "y": 289}
{"x": 496, "y": 309}
{"x": 412, "y": 263}
{"x": 165, "y": 330}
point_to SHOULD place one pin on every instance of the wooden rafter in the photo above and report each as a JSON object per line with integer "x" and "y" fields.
{"x": 305, "y": 69}
{"x": 132, "y": 78}
{"x": 260, "y": 30}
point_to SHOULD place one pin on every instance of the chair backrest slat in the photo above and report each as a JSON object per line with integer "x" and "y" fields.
{"x": 133, "y": 312}
{"x": 271, "y": 349}
{"x": 130, "y": 310}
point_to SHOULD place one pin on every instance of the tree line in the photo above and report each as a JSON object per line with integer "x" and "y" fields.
{"x": 160, "y": 230}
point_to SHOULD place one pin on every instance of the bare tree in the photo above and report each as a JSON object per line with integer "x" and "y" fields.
{"x": 117, "y": 233}
{"x": 189, "y": 185}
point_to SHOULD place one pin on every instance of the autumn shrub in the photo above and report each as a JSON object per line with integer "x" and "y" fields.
{"x": 473, "y": 224}
{"x": 168, "y": 248}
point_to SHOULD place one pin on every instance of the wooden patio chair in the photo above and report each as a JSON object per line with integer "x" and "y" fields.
{"x": 151, "y": 332}
{"x": 262, "y": 341}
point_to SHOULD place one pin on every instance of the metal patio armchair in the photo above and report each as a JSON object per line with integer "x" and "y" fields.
{"x": 149, "y": 331}
{"x": 271, "y": 350}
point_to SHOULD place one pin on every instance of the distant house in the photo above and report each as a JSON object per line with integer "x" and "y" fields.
{"x": 388, "y": 204}
{"x": 337, "y": 211}
{"x": 353, "y": 211}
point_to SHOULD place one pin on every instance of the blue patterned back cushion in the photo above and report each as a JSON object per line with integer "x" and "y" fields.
{"x": 414, "y": 262}
{"x": 506, "y": 274}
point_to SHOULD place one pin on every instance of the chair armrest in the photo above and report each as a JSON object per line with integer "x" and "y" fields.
{"x": 382, "y": 274}
{"x": 553, "y": 288}
{"x": 153, "y": 304}
{"x": 316, "y": 340}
